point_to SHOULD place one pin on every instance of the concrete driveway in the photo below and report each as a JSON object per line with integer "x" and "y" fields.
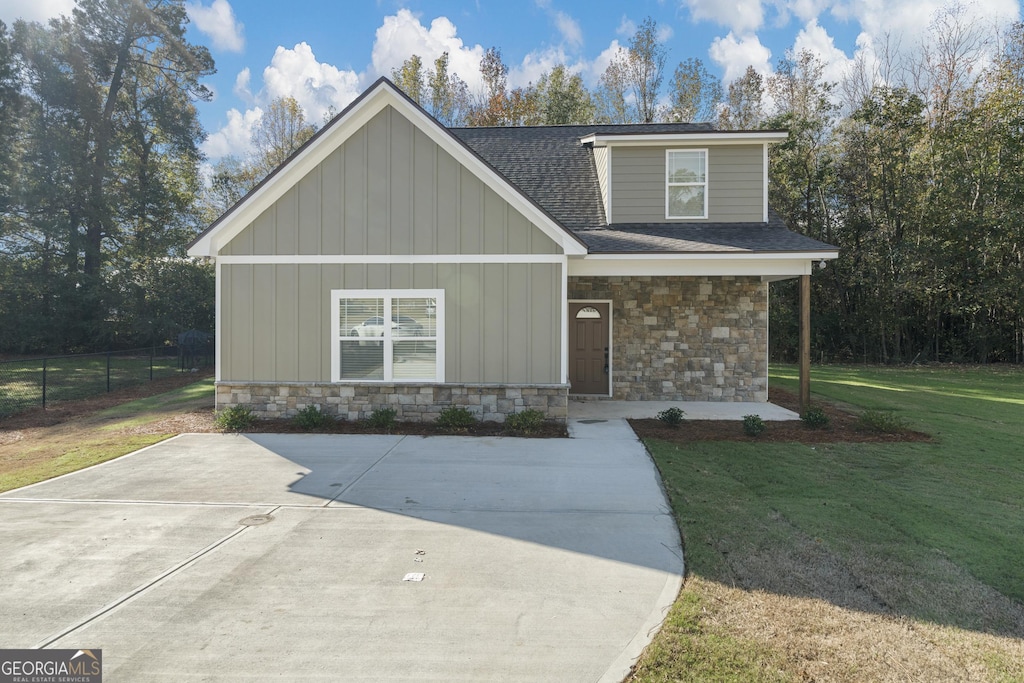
{"x": 229, "y": 557}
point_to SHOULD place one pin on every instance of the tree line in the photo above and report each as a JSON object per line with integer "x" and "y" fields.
{"x": 912, "y": 164}
{"x": 100, "y": 172}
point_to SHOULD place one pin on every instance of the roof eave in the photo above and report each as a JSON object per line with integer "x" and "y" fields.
{"x": 808, "y": 254}
{"x": 695, "y": 137}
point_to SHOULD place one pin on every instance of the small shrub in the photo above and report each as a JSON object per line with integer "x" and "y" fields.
{"x": 382, "y": 418}
{"x": 753, "y": 425}
{"x": 455, "y": 419}
{"x": 311, "y": 417}
{"x": 882, "y": 421}
{"x": 235, "y": 419}
{"x": 526, "y": 422}
{"x": 673, "y": 416}
{"x": 815, "y": 418}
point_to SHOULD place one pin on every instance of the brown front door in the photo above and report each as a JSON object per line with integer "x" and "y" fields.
{"x": 588, "y": 348}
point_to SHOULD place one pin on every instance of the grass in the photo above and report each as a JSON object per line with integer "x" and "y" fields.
{"x": 809, "y": 557}
{"x": 37, "y": 454}
{"x": 74, "y": 377}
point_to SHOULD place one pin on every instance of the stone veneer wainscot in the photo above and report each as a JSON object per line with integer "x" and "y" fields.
{"x": 412, "y": 402}
{"x": 685, "y": 338}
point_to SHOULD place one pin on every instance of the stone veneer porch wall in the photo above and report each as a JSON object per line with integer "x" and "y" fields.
{"x": 412, "y": 402}
{"x": 685, "y": 338}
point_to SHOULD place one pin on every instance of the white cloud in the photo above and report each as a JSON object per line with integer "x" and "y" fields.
{"x": 571, "y": 32}
{"x": 740, "y": 16}
{"x": 235, "y": 138}
{"x": 665, "y": 33}
{"x": 402, "y": 35}
{"x": 807, "y": 10}
{"x": 218, "y": 22}
{"x": 241, "y": 88}
{"x": 734, "y": 55}
{"x": 627, "y": 27}
{"x": 536, "y": 64}
{"x": 592, "y": 75}
{"x": 817, "y": 41}
{"x": 911, "y": 19}
{"x": 34, "y": 10}
{"x": 316, "y": 86}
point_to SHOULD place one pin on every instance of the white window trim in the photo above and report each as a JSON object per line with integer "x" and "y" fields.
{"x": 668, "y": 184}
{"x": 388, "y": 295}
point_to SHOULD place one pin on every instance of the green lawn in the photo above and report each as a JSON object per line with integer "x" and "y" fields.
{"x": 930, "y": 533}
{"x": 75, "y": 377}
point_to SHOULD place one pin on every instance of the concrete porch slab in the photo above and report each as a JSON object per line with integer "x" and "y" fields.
{"x": 695, "y": 410}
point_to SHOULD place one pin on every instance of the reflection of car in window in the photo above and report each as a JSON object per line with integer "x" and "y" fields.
{"x": 401, "y": 326}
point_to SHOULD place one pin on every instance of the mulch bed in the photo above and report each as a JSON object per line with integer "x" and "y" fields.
{"x": 842, "y": 428}
{"x": 284, "y": 426}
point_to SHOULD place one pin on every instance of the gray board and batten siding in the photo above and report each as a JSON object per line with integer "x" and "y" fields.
{"x": 735, "y": 184}
{"x": 390, "y": 190}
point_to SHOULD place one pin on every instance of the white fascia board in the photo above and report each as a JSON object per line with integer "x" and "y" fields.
{"x": 703, "y": 138}
{"x": 245, "y": 213}
{"x": 384, "y": 259}
{"x": 775, "y": 266}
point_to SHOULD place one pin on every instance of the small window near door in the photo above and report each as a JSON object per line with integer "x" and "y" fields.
{"x": 588, "y": 313}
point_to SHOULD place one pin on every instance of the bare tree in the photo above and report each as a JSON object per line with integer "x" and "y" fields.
{"x": 744, "y": 108}
{"x": 696, "y": 92}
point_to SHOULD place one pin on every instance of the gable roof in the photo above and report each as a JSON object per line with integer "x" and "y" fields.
{"x": 381, "y": 94}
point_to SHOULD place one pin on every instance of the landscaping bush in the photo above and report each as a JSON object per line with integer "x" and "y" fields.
{"x": 455, "y": 419}
{"x": 311, "y": 417}
{"x": 526, "y": 422}
{"x": 882, "y": 421}
{"x": 382, "y": 418}
{"x": 815, "y": 418}
{"x": 673, "y": 416}
{"x": 753, "y": 425}
{"x": 235, "y": 419}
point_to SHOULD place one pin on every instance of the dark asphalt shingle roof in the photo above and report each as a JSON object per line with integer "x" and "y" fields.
{"x": 550, "y": 166}
{"x": 772, "y": 236}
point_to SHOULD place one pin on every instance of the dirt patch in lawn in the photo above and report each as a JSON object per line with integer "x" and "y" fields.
{"x": 843, "y": 427}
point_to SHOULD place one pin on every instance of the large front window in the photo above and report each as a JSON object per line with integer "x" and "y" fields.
{"x": 686, "y": 173}
{"x": 388, "y": 335}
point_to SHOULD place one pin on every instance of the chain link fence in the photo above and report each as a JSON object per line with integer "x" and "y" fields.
{"x": 40, "y": 381}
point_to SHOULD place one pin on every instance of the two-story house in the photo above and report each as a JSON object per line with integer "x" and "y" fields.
{"x": 392, "y": 262}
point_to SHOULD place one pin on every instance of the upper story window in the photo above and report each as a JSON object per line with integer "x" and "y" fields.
{"x": 686, "y": 183}
{"x": 388, "y": 335}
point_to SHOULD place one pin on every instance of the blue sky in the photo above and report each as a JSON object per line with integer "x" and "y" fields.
{"x": 324, "y": 53}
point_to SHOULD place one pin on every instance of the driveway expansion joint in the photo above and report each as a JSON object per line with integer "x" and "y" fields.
{"x": 146, "y": 587}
